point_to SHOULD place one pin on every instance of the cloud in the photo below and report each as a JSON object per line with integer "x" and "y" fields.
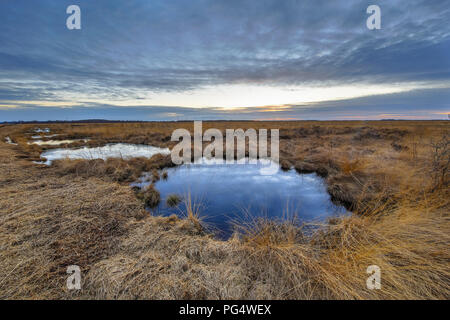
{"x": 134, "y": 50}
{"x": 417, "y": 104}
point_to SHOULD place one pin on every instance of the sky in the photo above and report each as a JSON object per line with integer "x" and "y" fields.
{"x": 224, "y": 59}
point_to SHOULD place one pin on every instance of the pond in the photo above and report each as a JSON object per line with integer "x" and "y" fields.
{"x": 115, "y": 150}
{"x": 229, "y": 193}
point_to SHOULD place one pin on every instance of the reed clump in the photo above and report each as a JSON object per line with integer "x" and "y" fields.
{"x": 150, "y": 196}
{"x": 173, "y": 200}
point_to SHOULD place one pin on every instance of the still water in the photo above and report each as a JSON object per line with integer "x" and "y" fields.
{"x": 114, "y": 150}
{"x": 227, "y": 193}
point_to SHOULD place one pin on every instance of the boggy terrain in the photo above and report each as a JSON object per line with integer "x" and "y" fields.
{"x": 393, "y": 176}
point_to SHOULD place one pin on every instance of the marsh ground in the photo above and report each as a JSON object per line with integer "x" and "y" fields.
{"x": 393, "y": 175}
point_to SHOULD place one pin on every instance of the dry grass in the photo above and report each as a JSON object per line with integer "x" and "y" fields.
{"x": 150, "y": 196}
{"x": 394, "y": 175}
{"x": 173, "y": 200}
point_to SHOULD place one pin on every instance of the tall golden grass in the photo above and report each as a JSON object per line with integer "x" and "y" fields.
{"x": 75, "y": 213}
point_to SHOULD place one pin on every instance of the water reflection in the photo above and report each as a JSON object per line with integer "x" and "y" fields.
{"x": 240, "y": 192}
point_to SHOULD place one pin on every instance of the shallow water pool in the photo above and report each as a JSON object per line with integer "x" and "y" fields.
{"x": 56, "y": 142}
{"x": 116, "y": 150}
{"x": 229, "y": 193}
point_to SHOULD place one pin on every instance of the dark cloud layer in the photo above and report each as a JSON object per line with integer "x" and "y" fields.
{"x": 128, "y": 47}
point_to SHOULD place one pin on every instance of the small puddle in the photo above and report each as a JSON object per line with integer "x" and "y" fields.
{"x": 39, "y": 130}
{"x": 45, "y": 136}
{"x": 116, "y": 150}
{"x": 229, "y": 193}
{"x": 56, "y": 142}
{"x": 9, "y": 141}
